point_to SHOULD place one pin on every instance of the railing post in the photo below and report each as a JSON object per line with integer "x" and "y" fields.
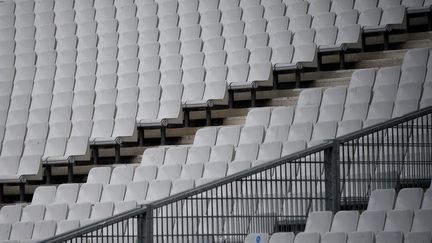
{"x": 145, "y": 226}
{"x": 332, "y": 182}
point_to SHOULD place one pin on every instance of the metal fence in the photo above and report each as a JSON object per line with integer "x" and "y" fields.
{"x": 278, "y": 195}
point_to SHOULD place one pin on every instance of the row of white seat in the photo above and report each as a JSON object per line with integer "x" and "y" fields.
{"x": 393, "y": 225}
{"x": 386, "y": 216}
{"x": 379, "y": 202}
{"x": 352, "y": 237}
{"x": 36, "y": 223}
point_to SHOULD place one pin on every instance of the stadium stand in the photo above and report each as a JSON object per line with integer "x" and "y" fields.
{"x": 79, "y": 76}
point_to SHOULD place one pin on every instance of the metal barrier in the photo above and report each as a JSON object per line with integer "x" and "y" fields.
{"x": 278, "y": 195}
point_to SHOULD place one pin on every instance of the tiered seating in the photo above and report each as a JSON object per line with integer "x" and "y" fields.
{"x": 125, "y": 64}
{"x": 268, "y": 134}
{"x": 405, "y": 218}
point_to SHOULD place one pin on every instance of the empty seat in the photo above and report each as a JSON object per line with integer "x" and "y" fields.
{"x": 89, "y": 193}
{"x": 409, "y": 198}
{"x": 213, "y": 171}
{"x": 319, "y": 222}
{"x": 99, "y": 211}
{"x": 346, "y": 127}
{"x": 411, "y": 75}
{"x": 269, "y": 151}
{"x": 306, "y": 114}
{"x": 323, "y": 131}
{"x": 113, "y": 193}
{"x": 280, "y": 39}
{"x": 176, "y": 155}
{"x": 210, "y": 17}
{"x": 258, "y": 116}
{"x": 371, "y": 221}
{"x": 233, "y": 29}
{"x": 345, "y": 221}
{"x": 188, "y": 19}
{"x": 21, "y": 231}
{"x": 145, "y": 173}
{"x": 362, "y": 77}
{"x": 66, "y": 193}
{"x": 227, "y": 4}
{"x": 252, "y": 134}
{"x": 277, "y": 133}
{"x": 32, "y": 213}
{"x": 415, "y": 57}
{"x": 300, "y": 22}
{"x": 421, "y": 221}
{"x": 235, "y": 43}
{"x": 298, "y": 8}
{"x": 10, "y": 214}
{"x": 330, "y": 113}
{"x": 122, "y": 175}
{"x": 5, "y": 230}
{"x": 356, "y": 111}
{"x": 370, "y": 17}
{"x": 303, "y": 36}
{"x": 136, "y": 191}
{"x": 310, "y": 97}
{"x": 291, "y": 147}
{"x": 382, "y": 199}
{"x": 427, "y": 200}
{"x": 238, "y": 167}
{"x": 335, "y": 237}
{"x": 153, "y": 156}
{"x": 44, "y": 195}
{"x": 187, "y": 6}
{"x": 410, "y": 91}
{"x": 399, "y": 220}
{"x": 379, "y": 112}
{"x": 198, "y": 154}
{"x": 166, "y": 172}
{"x": 307, "y": 238}
{"x": 181, "y": 185}
{"x": 426, "y": 99}
{"x": 99, "y": 175}
{"x": 261, "y": 237}
{"x": 158, "y": 190}
{"x": 238, "y": 74}
{"x": 222, "y": 153}
{"x": 392, "y": 16}
{"x": 231, "y": 15}
{"x": 319, "y": 7}
{"x": 393, "y": 236}
{"x": 341, "y": 5}
{"x": 347, "y": 18}
{"x": 211, "y": 31}
{"x": 387, "y": 76}
{"x": 56, "y": 212}
{"x": 205, "y": 136}
{"x": 421, "y": 237}
{"x": 246, "y": 152}
{"x": 300, "y": 132}
{"x": 43, "y": 230}
{"x": 404, "y": 107}
{"x": 367, "y": 4}
{"x": 228, "y": 135}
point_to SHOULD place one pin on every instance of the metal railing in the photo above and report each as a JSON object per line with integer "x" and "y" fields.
{"x": 278, "y": 195}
